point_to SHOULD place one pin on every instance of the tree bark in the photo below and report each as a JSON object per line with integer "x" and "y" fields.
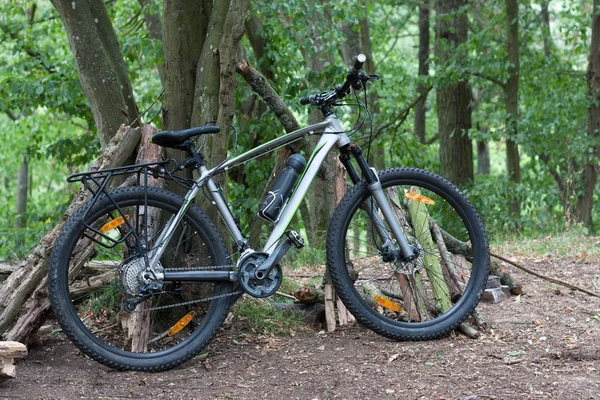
{"x": 26, "y": 287}
{"x": 590, "y": 171}
{"x": 423, "y": 57}
{"x": 483, "y": 158}
{"x": 22, "y": 180}
{"x": 100, "y": 66}
{"x": 185, "y": 24}
{"x": 453, "y": 100}
{"x": 511, "y": 100}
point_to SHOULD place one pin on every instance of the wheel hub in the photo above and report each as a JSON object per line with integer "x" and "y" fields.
{"x": 413, "y": 263}
{"x": 134, "y": 279}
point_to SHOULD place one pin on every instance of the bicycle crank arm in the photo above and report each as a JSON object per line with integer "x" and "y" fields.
{"x": 292, "y": 239}
{"x": 201, "y": 276}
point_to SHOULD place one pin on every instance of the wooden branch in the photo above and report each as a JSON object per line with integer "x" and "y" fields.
{"x": 553, "y": 280}
{"x": 469, "y": 330}
{"x": 261, "y": 86}
{"x": 91, "y": 284}
{"x": 448, "y": 268}
{"x": 287, "y": 296}
{"x": 488, "y": 78}
{"x": 420, "y": 218}
{"x": 329, "y": 307}
{"x": 403, "y": 114}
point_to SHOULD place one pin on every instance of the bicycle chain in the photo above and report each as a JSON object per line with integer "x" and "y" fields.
{"x": 186, "y": 303}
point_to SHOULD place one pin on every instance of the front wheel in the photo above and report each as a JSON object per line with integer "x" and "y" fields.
{"x": 409, "y": 299}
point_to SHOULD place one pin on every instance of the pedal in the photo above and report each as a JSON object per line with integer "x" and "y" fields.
{"x": 296, "y": 239}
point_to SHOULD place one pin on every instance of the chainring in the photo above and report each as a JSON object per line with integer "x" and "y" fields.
{"x": 255, "y": 287}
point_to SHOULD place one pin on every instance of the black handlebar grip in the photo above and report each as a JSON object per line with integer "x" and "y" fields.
{"x": 360, "y": 61}
{"x": 304, "y": 101}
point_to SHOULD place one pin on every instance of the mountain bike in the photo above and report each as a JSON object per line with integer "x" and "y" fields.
{"x": 406, "y": 250}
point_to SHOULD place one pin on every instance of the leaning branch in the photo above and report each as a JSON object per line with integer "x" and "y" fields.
{"x": 553, "y": 280}
{"x": 261, "y": 86}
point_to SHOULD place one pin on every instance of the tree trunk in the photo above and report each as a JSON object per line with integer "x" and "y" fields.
{"x": 590, "y": 171}
{"x": 453, "y": 101}
{"x": 22, "y": 181}
{"x": 511, "y": 100}
{"x": 26, "y": 287}
{"x": 185, "y": 25}
{"x": 99, "y": 63}
{"x": 483, "y": 158}
{"x": 423, "y": 57}
{"x": 548, "y": 42}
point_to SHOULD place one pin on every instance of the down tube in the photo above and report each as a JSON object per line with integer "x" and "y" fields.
{"x": 322, "y": 148}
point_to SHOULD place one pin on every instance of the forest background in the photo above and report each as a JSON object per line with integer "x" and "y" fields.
{"x": 499, "y": 96}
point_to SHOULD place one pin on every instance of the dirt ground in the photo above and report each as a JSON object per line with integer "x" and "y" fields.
{"x": 542, "y": 344}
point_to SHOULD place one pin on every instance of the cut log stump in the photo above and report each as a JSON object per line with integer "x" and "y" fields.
{"x": 496, "y": 295}
{"x": 9, "y": 351}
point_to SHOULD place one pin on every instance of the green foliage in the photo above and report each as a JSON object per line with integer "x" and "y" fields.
{"x": 45, "y": 115}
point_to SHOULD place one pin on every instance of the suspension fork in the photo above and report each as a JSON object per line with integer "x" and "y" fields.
{"x": 374, "y": 185}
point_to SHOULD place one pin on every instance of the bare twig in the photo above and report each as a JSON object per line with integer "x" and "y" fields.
{"x": 553, "y": 280}
{"x": 287, "y": 296}
{"x": 403, "y": 114}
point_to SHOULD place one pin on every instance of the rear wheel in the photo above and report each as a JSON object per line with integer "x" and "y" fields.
{"x": 96, "y": 267}
{"x": 416, "y": 299}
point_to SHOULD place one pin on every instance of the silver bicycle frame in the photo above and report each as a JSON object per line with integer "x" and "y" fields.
{"x": 332, "y": 134}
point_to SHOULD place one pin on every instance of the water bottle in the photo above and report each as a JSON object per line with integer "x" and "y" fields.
{"x": 280, "y": 193}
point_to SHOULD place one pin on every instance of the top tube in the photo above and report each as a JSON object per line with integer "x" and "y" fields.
{"x": 271, "y": 146}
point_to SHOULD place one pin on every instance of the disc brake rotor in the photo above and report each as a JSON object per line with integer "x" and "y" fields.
{"x": 411, "y": 266}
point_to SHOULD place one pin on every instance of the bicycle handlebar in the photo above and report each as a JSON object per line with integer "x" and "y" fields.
{"x": 353, "y": 79}
{"x": 358, "y": 64}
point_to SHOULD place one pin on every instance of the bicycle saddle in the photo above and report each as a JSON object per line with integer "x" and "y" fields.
{"x": 175, "y": 139}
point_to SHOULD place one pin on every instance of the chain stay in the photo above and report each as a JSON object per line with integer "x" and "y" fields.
{"x": 211, "y": 267}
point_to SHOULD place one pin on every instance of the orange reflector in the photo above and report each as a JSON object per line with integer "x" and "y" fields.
{"x": 110, "y": 225}
{"x": 390, "y": 305}
{"x": 419, "y": 198}
{"x": 182, "y": 323}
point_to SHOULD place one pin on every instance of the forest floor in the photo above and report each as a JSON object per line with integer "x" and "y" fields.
{"x": 542, "y": 344}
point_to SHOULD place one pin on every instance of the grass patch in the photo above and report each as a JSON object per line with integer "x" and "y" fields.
{"x": 103, "y": 304}
{"x": 571, "y": 244}
{"x": 261, "y": 318}
{"x": 308, "y": 256}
